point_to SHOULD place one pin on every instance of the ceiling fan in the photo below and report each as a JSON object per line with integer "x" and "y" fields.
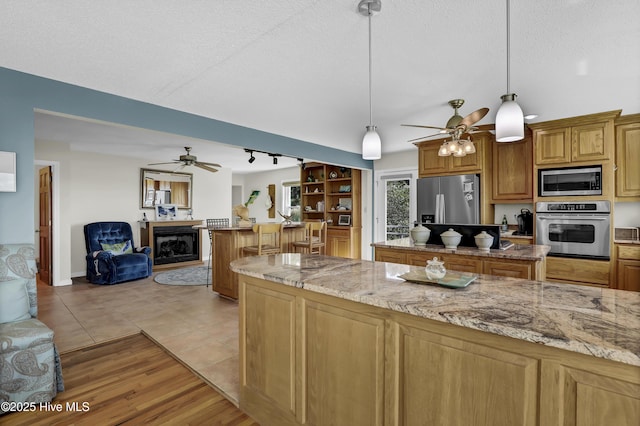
{"x": 190, "y": 160}
{"x": 457, "y": 125}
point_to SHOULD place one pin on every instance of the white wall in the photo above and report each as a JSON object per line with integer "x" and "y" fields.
{"x": 97, "y": 187}
{"x": 626, "y": 215}
{"x": 259, "y": 182}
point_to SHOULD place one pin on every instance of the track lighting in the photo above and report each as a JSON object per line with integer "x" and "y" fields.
{"x": 251, "y": 158}
{"x": 275, "y": 160}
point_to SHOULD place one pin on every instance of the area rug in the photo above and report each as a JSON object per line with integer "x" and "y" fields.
{"x": 196, "y": 275}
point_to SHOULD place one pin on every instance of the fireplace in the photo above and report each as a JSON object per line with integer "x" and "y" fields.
{"x": 175, "y": 244}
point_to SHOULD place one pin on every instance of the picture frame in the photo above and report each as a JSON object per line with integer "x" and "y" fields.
{"x": 344, "y": 188}
{"x": 344, "y": 220}
{"x": 166, "y": 211}
{"x": 7, "y": 171}
{"x": 345, "y": 202}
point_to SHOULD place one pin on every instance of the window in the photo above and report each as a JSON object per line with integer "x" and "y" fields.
{"x": 291, "y": 200}
{"x": 396, "y": 205}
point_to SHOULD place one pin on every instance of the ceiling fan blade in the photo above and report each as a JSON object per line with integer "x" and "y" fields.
{"x": 425, "y": 137}
{"x": 208, "y": 164}
{"x": 474, "y": 117}
{"x": 207, "y": 168}
{"x": 426, "y": 127}
{"x": 157, "y": 164}
{"x": 180, "y": 167}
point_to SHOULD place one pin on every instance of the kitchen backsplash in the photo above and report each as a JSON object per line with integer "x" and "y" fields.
{"x": 511, "y": 210}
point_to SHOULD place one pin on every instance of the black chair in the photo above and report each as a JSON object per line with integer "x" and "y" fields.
{"x": 211, "y": 225}
{"x": 111, "y": 255}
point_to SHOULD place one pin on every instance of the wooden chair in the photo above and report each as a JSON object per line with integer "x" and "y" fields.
{"x": 211, "y": 225}
{"x": 315, "y": 239}
{"x": 269, "y": 239}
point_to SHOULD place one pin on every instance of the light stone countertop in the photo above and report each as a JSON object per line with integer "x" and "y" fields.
{"x": 518, "y": 251}
{"x": 603, "y": 323}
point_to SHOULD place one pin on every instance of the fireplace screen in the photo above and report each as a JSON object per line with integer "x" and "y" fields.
{"x": 174, "y": 244}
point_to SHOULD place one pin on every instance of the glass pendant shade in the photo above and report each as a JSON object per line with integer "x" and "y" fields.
{"x": 371, "y": 144}
{"x": 444, "y": 150}
{"x": 469, "y": 147}
{"x": 509, "y": 120}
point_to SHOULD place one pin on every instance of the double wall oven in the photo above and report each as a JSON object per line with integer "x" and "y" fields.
{"x": 575, "y": 229}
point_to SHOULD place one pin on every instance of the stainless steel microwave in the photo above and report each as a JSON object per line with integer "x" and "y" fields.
{"x": 570, "y": 181}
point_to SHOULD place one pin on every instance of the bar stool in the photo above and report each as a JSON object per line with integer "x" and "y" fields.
{"x": 211, "y": 225}
{"x": 269, "y": 239}
{"x": 315, "y": 239}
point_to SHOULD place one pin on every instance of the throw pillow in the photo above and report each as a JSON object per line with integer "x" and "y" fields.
{"x": 117, "y": 249}
{"x": 14, "y": 301}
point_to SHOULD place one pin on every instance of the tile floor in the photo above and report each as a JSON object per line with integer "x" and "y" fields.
{"x": 191, "y": 322}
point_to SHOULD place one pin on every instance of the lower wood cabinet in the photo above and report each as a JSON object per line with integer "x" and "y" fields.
{"x": 515, "y": 268}
{"x": 344, "y": 241}
{"x": 578, "y": 271}
{"x": 308, "y": 358}
{"x": 628, "y": 267}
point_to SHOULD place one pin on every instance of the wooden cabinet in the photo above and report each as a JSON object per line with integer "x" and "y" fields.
{"x": 578, "y": 271}
{"x": 627, "y": 157}
{"x": 584, "y": 139}
{"x": 333, "y": 194}
{"x": 430, "y": 164}
{"x": 462, "y": 262}
{"x": 512, "y": 179}
{"x": 309, "y": 358}
{"x": 344, "y": 241}
{"x": 628, "y": 267}
{"x": 518, "y": 240}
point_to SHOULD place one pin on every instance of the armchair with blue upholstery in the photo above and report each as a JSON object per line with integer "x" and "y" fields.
{"x": 111, "y": 255}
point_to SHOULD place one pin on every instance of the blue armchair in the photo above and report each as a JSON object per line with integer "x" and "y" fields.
{"x": 111, "y": 256}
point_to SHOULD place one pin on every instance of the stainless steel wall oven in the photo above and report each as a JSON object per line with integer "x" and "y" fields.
{"x": 575, "y": 229}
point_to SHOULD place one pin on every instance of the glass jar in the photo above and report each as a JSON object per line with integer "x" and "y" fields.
{"x": 435, "y": 269}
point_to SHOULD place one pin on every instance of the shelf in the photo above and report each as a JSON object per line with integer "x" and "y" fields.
{"x": 320, "y": 182}
{"x": 340, "y": 194}
{"x": 313, "y": 193}
{"x": 344, "y": 179}
{"x": 340, "y": 211}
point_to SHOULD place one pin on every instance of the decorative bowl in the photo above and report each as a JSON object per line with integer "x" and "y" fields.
{"x": 435, "y": 269}
{"x": 451, "y": 239}
{"x": 483, "y": 241}
{"x": 420, "y": 235}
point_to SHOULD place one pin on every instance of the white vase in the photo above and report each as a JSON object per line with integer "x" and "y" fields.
{"x": 420, "y": 235}
{"x": 451, "y": 239}
{"x": 483, "y": 241}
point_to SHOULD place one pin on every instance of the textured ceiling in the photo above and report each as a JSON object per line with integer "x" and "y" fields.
{"x": 299, "y": 67}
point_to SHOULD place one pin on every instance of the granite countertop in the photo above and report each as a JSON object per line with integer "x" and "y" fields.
{"x": 249, "y": 228}
{"x": 603, "y": 323}
{"x": 626, "y": 241}
{"x": 518, "y": 251}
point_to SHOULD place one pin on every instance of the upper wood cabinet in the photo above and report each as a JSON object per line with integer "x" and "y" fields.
{"x": 430, "y": 164}
{"x": 587, "y": 138}
{"x": 513, "y": 171}
{"x": 627, "y": 157}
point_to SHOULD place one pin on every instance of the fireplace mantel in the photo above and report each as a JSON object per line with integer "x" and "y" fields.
{"x": 147, "y": 233}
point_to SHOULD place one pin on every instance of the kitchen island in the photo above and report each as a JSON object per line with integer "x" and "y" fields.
{"x": 326, "y": 340}
{"x": 526, "y": 261}
{"x": 226, "y": 246}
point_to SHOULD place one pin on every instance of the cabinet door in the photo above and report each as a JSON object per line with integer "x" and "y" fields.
{"x": 552, "y": 146}
{"x": 389, "y": 255}
{"x": 513, "y": 171}
{"x": 511, "y": 268}
{"x": 339, "y": 242}
{"x": 342, "y": 366}
{"x": 445, "y": 380}
{"x": 516, "y": 240}
{"x": 462, "y": 264}
{"x": 471, "y": 162}
{"x": 588, "y": 142}
{"x": 628, "y": 275}
{"x": 627, "y": 155}
{"x": 429, "y": 163}
{"x": 267, "y": 354}
{"x": 587, "y": 397}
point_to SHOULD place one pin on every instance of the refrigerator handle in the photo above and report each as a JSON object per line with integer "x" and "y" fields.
{"x": 443, "y": 216}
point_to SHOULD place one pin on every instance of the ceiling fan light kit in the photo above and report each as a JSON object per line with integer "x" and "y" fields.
{"x": 190, "y": 160}
{"x": 371, "y": 143}
{"x": 509, "y": 118}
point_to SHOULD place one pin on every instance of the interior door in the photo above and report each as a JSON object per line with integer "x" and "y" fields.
{"x": 44, "y": 228}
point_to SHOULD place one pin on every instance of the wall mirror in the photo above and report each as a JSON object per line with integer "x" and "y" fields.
{"x": 162, "y": 187}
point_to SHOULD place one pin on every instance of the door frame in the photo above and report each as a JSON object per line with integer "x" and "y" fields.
{"x": 379, "y": 206}
{"x": 55, "y": 223}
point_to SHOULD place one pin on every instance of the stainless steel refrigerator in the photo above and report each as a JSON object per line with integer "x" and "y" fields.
{"x": 449, "y": 199}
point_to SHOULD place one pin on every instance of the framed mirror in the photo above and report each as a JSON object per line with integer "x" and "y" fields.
{"x": 163, "y": 187}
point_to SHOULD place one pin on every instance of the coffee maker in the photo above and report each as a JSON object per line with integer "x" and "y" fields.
{"x": 525, "y": 222}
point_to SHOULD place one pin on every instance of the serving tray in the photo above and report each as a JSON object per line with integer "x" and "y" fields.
{"x": 450, "y": 280}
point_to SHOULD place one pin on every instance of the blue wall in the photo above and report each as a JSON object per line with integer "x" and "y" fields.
{"x": 21, "y": 94}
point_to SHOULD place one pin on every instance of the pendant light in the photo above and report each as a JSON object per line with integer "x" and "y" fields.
{"x": 509, "y": 118}
{"x": 371, "y": 144}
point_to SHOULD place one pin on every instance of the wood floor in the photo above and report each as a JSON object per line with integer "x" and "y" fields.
{"x": 132, "y": 381}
